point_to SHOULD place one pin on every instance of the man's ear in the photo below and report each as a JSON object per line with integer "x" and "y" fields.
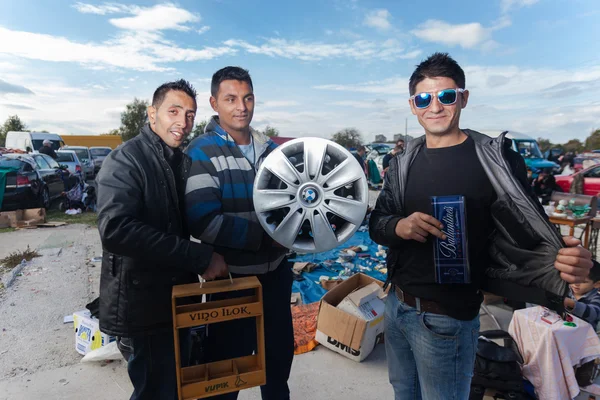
{"x": 412, "y": 107}
{"x": 213, "y": 104}
{"x": 151, "y": 114}
{"x": 597, "y": 285}
{"x": 465, "y": 98}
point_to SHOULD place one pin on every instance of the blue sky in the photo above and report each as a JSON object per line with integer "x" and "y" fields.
{"x": 317, "y": 65}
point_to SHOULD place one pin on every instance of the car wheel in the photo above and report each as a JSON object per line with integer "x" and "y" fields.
{"x": 44, "y": 201}
{"x": 310, "y": 195}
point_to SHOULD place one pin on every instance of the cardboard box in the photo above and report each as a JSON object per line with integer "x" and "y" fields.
{"x": 4, "y": 221}
{"x": 24, "y": 218}
{"x": 87, "y": 333}
{"x": 354, "y": 330}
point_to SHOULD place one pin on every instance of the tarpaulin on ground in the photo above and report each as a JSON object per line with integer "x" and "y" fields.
{"x": 310, "y": 288}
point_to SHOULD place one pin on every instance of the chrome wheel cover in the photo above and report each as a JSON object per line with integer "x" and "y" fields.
{"x": 310, "y": 195}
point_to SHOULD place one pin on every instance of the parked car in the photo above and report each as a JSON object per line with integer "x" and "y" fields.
{"x": 381, "y": 148}
{"x": 85, "y": 157}
{"x": 591, "y": 181}
{"x": 98, "y": 155}
{"x": 69, "y": 159}
{"x": 31, "y": 142}
{"x": 36, "y": 182}
{"x": 528, "y": 148}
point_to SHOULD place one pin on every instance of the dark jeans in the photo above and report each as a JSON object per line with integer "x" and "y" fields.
{"x": 238, "y": 338}
{"x": 151, "y": 364}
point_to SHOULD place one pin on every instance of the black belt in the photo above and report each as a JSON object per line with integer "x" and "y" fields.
{"x": 420, "y": 304}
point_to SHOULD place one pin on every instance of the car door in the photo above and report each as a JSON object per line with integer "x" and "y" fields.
{"x": 45, "y": 171}
{"x": 591, "y": 182}
{"x": 57, "y": 183}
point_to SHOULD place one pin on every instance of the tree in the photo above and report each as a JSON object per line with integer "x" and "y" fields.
{"x": 271, "y": 131}
{"x": 198, "y": 129}
{"x": 112, "y": 132}
{"x": 12, "y": 123}
{"x": 380, "y": 139}
{"x": 348, "y": 137}
{"x": 133, "y": 118}
{"x": 545, "y": 144}
{"x": 593, "y": 141}
{"x": 573, "y": 145}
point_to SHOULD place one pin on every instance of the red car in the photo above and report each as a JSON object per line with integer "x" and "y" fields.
{"x": 591, "y": 181}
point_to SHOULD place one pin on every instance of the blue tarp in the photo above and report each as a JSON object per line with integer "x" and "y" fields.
{"x": 310, "y": 288}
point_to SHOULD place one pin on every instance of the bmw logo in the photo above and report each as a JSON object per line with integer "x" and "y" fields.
{"x": 309, "y": 195}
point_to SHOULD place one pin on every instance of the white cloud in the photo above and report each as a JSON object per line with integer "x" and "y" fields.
{"x": 397, "y": 86}
{"x": 465, "y": 35}
{"x": 158, "y": 17}
{"x": 143, "y": 51}
{"x": 314, "y": 51}
{"x": 278, "y": 103}
{"x": 204, "y": 29}
{"x": 507, "y": 5}
{"x": 378, "y": 19}
{"x": 106, "y": 8}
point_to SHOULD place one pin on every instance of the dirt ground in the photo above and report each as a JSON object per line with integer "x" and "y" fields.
{"x": 37, "y": 350}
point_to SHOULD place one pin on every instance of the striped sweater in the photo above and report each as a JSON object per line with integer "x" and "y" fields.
{"x": 588, "y": 307}
{"x": 218, "y": 200}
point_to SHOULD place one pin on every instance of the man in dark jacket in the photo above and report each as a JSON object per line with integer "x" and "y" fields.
{"x": 220, "y": 211}
{"x": 431, "y": 328}
{"x": 146, "y": 246}
{"x": 47, "y": 149}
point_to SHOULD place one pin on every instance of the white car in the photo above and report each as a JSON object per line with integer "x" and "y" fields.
{"x": 85, "y": 158}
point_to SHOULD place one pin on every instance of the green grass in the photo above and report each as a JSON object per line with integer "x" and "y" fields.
{"x": 87, "y": 218}
{"x": 14, "y": 259}
{"x": 6, "y": 230}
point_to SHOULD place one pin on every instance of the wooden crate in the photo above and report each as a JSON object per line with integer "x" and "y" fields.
{"x": 225, "y": 376}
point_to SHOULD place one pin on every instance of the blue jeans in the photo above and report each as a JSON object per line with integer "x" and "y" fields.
{"x": 430, "y": 356}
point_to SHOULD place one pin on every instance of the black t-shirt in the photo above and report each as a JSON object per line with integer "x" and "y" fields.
{"x": 447, "y": 171}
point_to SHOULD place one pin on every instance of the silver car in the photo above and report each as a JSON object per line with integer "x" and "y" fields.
{"x": 69, "y": 159}
{"x": 98, "y": 155}
{"x": 85, "y": 158}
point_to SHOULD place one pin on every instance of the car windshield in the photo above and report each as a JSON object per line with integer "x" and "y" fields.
{"x": 38, "y": 143}
{"x": 64, "y": 157}
{"x": 100, "y": 152}
{"x": 82, "y": 154}
{"x": 529, "y": 149}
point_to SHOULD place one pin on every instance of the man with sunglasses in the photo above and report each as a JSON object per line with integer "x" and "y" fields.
{"x": 431, "y": 328}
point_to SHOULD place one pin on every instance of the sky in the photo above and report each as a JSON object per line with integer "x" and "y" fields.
{"x": 318, "y": 66}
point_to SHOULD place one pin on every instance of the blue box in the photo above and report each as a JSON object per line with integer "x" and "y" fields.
{"x": 451, "y": 256}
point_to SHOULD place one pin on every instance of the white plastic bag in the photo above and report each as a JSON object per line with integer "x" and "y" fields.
{"x": 108, "y": 352}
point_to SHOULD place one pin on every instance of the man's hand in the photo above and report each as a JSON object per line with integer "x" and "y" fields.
{"x": 418, "y": 226}
{"x": 574, "y": 262}
{"x": 216, "y": 269}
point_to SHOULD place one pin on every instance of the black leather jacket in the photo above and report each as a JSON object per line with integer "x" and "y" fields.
{"x": 523, "y": 245}
{"x": 145, "y": 243}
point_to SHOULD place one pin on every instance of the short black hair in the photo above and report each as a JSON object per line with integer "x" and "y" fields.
{"x": 361, "y": 148}
{"x": 595, "y": 272}
{"x": 226, "y": 74}
{"x": 437, "y": 64}
{"x": 181, "y": 85}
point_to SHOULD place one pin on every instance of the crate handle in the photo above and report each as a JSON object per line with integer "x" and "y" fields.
{"x": 202, "y": 280}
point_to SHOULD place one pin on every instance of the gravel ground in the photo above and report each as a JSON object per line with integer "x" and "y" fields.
{"x": 33, "y": 335}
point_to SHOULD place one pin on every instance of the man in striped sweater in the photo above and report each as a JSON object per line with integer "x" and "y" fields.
{"x": 220, "y": 212}
{"x": 585, "y": 298}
